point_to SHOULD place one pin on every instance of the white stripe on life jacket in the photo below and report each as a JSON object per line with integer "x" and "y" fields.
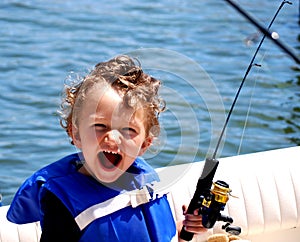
{"x": 133, "y": 198}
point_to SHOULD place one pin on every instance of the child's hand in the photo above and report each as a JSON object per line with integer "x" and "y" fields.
{"x": 192, "y": 222}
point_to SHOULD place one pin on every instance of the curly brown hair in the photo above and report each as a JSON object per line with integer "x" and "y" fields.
{"x": 125, "y": 76}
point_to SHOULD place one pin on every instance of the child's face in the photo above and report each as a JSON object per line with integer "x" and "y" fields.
{"x": 110, "y": 135}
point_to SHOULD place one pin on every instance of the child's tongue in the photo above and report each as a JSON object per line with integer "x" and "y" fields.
{"x": 109, "y": 160}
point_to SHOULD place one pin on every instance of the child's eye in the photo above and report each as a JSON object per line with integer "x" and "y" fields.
{"x": 100, "y": 127}
{"x": 129, "y": 131}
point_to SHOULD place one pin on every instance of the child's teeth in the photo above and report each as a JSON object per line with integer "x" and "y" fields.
{"x": 107, "y": 151}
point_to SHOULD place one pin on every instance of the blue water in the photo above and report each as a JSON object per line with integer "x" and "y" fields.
{"x": 198, "y": 50}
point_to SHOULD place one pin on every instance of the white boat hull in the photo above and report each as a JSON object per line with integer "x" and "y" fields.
{"x": 267, "y": 184}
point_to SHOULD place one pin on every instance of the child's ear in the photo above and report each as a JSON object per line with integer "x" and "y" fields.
{"x": 76, "y": 137}
{"x": 147, "y": 142}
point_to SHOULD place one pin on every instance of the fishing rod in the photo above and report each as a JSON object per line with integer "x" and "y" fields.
{"x": 211, "y": 198}
{"x": 244, "y": 78}
{"x": 273, "y": 36}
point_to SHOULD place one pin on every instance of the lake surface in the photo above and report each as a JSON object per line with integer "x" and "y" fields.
{"x": 199, "y": 49}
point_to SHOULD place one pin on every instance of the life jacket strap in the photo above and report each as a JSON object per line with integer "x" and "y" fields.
{"x": 133, "y": 198}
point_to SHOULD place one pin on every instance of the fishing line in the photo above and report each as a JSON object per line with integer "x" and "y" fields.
{"x": 246, "y": 74}
{"x": 248, "y": 113}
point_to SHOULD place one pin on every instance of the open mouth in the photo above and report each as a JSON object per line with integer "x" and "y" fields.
{"x": 109, "y": 160}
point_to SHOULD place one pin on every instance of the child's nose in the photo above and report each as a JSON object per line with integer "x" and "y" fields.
{"x": 113, "y": 136}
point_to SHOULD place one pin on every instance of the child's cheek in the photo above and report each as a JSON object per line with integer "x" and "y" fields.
{"x": 130, "y": 148}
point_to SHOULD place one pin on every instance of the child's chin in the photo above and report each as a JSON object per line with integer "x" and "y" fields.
{"x": 110, "y": 177}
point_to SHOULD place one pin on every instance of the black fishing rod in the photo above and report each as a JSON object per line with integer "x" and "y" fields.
{"x": 211, "y": 198}
{"x": 244, "y": 78}
{"x": 273, "y": 36}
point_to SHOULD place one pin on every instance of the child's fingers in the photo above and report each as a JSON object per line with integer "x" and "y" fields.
{"x": 196, "y": 211}
{"x": 195, "y": 230}
{"x": 193, "y": 223}
{"x": 193, "y": 218}
{"x": 194, "y": 227}
{"x": 184, "y": 209}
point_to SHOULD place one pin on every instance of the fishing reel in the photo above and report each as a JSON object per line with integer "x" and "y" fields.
{"x": 210, "y": 198}
{"x": 213, "y": 203}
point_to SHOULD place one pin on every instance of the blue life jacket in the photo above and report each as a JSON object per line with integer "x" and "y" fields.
{"x": 126, "y": 210}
